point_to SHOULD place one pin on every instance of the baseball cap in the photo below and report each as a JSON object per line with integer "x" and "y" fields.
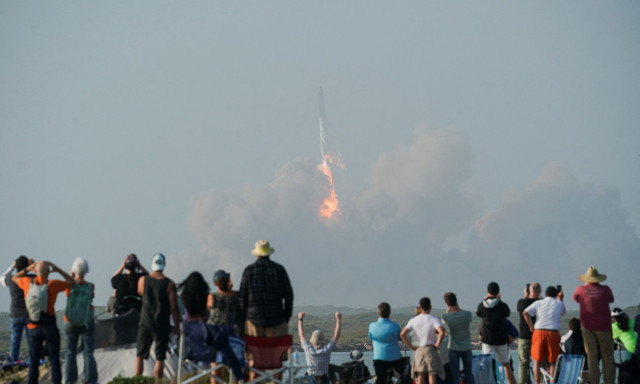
{"x": 158, "y": 262}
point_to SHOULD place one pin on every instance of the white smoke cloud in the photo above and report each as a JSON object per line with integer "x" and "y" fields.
{"x": 553, "y": 230}
{"x": 388, "y": 242}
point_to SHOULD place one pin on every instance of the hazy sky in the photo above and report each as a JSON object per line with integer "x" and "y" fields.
{"x": 482, "y": 141}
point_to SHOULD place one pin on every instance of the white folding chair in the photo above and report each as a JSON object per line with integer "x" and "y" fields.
{"x": 568, "y": 370}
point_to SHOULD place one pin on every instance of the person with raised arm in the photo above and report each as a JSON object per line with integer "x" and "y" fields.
{"x": 40, "y": 294}
{"x": 316, "y": 352}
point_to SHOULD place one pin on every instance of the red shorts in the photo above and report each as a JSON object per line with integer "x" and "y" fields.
{"x": 545, "y": 345}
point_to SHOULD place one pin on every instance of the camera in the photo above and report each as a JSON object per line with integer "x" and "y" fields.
{"x": 559, "y": 288}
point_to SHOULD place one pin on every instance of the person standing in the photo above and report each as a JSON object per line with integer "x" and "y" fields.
{"x": 42, "y": 323}
{"x": 84, "y": 290}
{"x": 545, "y": 342}
{"x": 125, "y": 285}
{"x": 457, "y": 322}
{"x": 595, "y": 316}
{"x": 428, "y": 334}
{"x": 159, "y": 303}
{"x": 18, "y": 317}
{"x": 495, "y": 337}
{"x": 266, "y": 296}
{"x": 224, "y": 305}
{"x": 317, "y": 354}
{"x": 384, "y": 335}
{"x": 531, "y": 293}
{"x": 224, "y": 308}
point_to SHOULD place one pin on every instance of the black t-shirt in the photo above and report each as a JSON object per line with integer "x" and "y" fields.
{"x": 524, "y": 332}
{"x": 126, "y": 286}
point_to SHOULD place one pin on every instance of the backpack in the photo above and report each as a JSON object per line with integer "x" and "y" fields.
{"x": 36, "y": 302}
{"x": 78, "y": 310}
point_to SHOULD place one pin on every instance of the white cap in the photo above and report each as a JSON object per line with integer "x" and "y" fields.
{"x": 158, "y": 262}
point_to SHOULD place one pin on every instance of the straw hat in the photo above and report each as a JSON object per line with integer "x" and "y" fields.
{"x": 592, "y": 276}
{"x": 262, "y": 248}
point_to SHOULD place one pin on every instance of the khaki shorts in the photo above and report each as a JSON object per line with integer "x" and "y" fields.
{"x": 499, "y": 352}
{"x": 426, "y": 361}
{"x": 251, "y": 329}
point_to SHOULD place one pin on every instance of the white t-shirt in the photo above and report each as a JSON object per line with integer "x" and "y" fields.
{"x": 424, "y": 327}
{"x": 548, "y": 312}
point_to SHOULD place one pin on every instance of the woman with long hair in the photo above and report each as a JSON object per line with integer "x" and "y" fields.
{"x": 208, "y": 342}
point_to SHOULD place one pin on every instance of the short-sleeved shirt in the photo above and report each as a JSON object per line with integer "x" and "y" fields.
{"x": 317, "y": 359}
{"x": 424, "y": 328}
{"x": 54, "y": 287}
{"x": 523, "y": 328}
{"x": 628, "y": 338}
{"x": 384, "y": 334}
{"x": 548, "y": 312}
{"x": 594, "y": 300}
{"x": 457, "y": 325}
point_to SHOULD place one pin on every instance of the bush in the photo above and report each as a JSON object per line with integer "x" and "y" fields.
{"x": 134, "y": 380}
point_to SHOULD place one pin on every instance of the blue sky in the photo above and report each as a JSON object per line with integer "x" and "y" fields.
{"x": 482, "y": 141}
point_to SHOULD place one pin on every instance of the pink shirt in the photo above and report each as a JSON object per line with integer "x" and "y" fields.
{"x": 594, "y": 300}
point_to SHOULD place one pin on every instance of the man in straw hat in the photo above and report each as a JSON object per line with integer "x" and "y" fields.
{"x": 266, "y": 296}
{"x": 594, "y": 299}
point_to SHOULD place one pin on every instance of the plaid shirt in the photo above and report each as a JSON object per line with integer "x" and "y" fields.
{"x": 266, "y": 296}
{"x": 318, "y": 359}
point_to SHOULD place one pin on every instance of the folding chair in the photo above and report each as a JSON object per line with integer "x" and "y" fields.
{"x": 266, "y": 356}
{"x": 205, "y": 343}
{"x": 482, "y": 369}
{"x": 568, "y": 370}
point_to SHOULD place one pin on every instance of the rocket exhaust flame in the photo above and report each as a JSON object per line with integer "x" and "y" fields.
{"x": 329, "y": 207}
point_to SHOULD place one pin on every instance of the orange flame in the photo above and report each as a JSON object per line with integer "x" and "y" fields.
{"x": 329, "y": 206}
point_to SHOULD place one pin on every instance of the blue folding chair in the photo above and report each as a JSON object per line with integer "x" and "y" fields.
{"x": 482, "y": 369}
{"x": 206, "y": 343}
{"x": 568, "y": 370}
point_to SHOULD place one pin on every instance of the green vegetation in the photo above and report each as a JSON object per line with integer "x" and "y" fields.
{"x": 135, "y": 380}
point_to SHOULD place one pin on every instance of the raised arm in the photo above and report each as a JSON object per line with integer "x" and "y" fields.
{"x": 120, "y": 268}
{"x": 67, "y": 277}
{"x": 4, "y": 279}
{"x": 336, "y": 332}
{"x": 301, "y": 327}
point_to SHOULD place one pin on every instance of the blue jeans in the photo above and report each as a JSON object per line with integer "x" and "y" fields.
{"x": 17, "y": 324}
{"x": 71, "y": 336}
{"x": 454, "y": 362}
{"x": 36, "y": 337}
